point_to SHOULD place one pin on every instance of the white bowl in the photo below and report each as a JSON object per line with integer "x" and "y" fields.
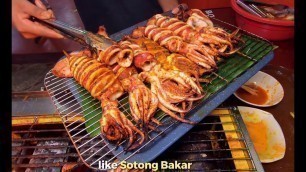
{"x": 273, "y": 88}
{"x": 276, "y": 144}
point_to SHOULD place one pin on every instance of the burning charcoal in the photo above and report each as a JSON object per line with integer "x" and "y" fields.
{"x": 48, "y": 151}
{"x": 202, "y": 166}
{"x": 203, "y": 146}
{"x": 15, "y": 151}
{"x": 96, "y": 149}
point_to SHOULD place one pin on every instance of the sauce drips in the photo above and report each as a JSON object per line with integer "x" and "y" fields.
{"x": 260, "y": 98}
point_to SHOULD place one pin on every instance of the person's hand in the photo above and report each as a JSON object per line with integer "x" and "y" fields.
{"x": 22, "y": 10}
{"x": 167, "y": 5}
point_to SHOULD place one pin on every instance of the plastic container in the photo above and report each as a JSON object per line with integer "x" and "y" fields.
{"x": 267, "y": 28}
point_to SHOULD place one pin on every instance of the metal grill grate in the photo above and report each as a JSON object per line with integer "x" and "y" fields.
{"x": 218, "y": 143}
{"x": 90, "y": 149}
{"x": 41, "y": 147}
{"x": 71, "y": 100}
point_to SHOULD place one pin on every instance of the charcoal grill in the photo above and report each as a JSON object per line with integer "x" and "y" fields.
{"x": 40, "y": 143}
{"x": 219, "y": 143}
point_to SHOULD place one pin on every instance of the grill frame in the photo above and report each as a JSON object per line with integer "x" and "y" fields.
{"x": 248, "y": 140}
{"x": 205, "y": 126}
{"x": 200, "y": 109}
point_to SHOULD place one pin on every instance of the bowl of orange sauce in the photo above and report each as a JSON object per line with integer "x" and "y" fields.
{"x": 269, "y": 91}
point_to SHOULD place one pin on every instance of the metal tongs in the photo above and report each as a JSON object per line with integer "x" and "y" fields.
{"x": 248, "y": 8}
{"x": 254, "y": 7}
{"x": 86, "y": 38}
{"x": 83, "y": 37}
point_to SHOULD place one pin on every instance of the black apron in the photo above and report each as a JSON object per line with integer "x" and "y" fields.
{"x": 115, "y": 15}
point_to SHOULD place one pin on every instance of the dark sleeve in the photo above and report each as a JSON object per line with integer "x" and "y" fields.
{"x": 115, "y": 15}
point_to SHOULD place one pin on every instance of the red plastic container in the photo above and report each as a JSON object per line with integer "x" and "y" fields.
{"x": 267, "y": 28}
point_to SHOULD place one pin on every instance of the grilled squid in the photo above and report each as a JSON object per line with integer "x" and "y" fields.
{"x": 175, "y": 86}
{"x": 102, "y": 84}
{"x": 176, "y": 44}
{"x": 199, "y": 30}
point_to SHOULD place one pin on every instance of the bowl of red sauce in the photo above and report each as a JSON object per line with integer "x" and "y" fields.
{"x": 269, "y": 91}
{"x": 271, "y": 29}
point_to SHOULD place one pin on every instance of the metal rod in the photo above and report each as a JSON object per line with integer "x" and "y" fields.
{"x": 209, "y": 140}
{"x": 65, "y": 85}
{"x": 42, "y": 147}
{"x": 97, "y": 151}
{"x": 113, "y": 149}
{"x": 73, "y": 106}
{"x": 248, "y": 57}
{"x": 247, "y": 8}
{"x": 59, "y": 81}
{"x": 94, "y": 110}
{"x": 65, "y": 94}
{"x": 150, "y": 141}
{"x": 90, "y": 147}
{"x": 90, "y": 112}
{"x": 50, "y": 76}
{"x": 74, "y": 99}
{"x": 213, "y": 159}
{"x": 249, "y": 33}
{"x": 39, "y": 131}
{"x": 42, "y": 165}
{"x": 220, "y": 76}
{"x": 83, "y": 116}
{"x": 244, "y": 141}
{"x": 77, "y": 114}
{"x": 254, "y": 7}
{"x": 40, "y": 139}
{"x": 218, "y": 123}
{"x": 65, "y": 26}
{"x": 86, "y": 134}
{"x": 100, "y": 150}
{"x": 218, "y": 131}
{"x": 46, "y": 155}
{"x": 134, "y": 151}
{"x": 208, "y": 150}
{"x": 85, "y": 127}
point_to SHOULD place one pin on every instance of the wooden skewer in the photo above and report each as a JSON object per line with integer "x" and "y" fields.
{"x": 249, "y": 89}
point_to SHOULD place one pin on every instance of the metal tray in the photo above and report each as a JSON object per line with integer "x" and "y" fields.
{"x": 66, "y": 94}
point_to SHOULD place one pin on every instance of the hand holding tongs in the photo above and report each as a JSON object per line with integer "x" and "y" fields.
{"x": 85, "y": 38}
{"x": 88, "y": 39}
